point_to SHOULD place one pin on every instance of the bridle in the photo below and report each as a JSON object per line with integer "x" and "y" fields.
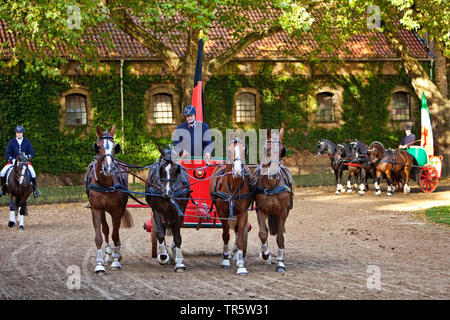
{"x": 277, "y": 142}
{"x": 107, "y": 139}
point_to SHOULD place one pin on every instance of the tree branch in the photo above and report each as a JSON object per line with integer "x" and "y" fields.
{"x": 214, "y": 64}
{"x": 124, "y": 21}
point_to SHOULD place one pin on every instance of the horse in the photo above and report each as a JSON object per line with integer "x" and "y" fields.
{"x": 230, "y": 192}
{"x": 343, "y": 156}
{"x": 390, "y": 163}
{"x": 19, "y": 188}
{"x": 167, "y": 193}
{"x": 359, "y": 149}
{"x": 106, "y": 179}
{"x": 337, "y": 166}
{"x": 273, "y": 197}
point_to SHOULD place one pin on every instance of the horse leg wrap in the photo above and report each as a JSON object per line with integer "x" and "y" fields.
{"x": 389, "y": 191}
{"x": 362, "y": 187}
{"x": 264, "y": 254}
{"x": 280, "y": 257}
{"x": 226, "y": 257}
{"x": 99, "y": 262}
{"x": 179, "y": 267}
{"x": 12, "y": 216}
{"x": 406, "y": 189}
{"x": 338, "y": 188}
{"x": 377, "y": 188}
{"x": 108, "y": 252}
{"x": 116, "y": 255}
{"x": 21, "y": 218}
{"x": 240, "y": 263}
{"x": 163, "y": 256}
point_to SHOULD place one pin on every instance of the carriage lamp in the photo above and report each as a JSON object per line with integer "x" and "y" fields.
{"x": 200, "y": 173}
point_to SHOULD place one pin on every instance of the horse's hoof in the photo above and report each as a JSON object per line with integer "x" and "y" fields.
{"x": 21, "y": 228}
{"x": 226, "y": 264}
{"x": 378, "y": 193}
{"x": 242, "y": 271}
{"x": 163, "y": 259}
{"x": 337, "y": 192}
{"x": 361, "y": 193}
{"x": 180, "y": 268}
{"x": 99, "y": 269}
{"x": 389, "y": 194}
{"x": 11, "y": 224}
{"x": 281, "y": 269}
{"x": 116, "y": 265}
{"x": 349, "y": 191}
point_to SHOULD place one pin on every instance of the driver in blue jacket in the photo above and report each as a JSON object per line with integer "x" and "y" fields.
{"x": 193, "y": 137}
{"x": 15, "y": 146}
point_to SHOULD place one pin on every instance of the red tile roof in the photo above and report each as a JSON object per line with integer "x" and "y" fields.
{"x": 369, "y": 46}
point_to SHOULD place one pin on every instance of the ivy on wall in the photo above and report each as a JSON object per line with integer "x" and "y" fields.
{"x": 31, "y": 100}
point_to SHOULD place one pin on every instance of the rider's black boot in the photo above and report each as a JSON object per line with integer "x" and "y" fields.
{"x": 4, "y": 187}
{"x": 36, "y": 191}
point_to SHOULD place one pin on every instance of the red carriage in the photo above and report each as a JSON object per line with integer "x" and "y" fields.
{"x": 197, "y": 214}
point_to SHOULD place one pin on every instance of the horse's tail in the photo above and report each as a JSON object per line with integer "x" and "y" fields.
{"x": 127, "y": 219}
{"x": 273, "y": 224}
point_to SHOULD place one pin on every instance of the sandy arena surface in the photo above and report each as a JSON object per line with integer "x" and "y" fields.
{"x": 334, "y": 244}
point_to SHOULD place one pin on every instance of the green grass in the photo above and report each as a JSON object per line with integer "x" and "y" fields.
{"x": 439, "y": 214}
{"x": 65, "y": 194}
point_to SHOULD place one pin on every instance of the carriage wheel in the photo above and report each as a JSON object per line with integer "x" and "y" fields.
{"x": 154, "y": 239}
{"x": 428, "y": 178}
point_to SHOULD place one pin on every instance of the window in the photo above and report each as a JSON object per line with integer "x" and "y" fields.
{"x": 162, "y": 108}
{"x": 246, "y": 107}
{"x": 325, "y": 102}
{"x": 401, "y": 106}
{"x": 76, "y": 110}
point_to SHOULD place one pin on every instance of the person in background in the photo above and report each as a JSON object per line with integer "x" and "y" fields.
{"x": 408, "y": 140}
{"x": 13, "y": 149}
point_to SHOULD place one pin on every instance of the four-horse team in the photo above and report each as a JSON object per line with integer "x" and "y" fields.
{"x": 235, "y": 187}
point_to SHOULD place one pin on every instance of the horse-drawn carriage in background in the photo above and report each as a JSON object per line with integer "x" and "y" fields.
{"x": 429, "y": 168}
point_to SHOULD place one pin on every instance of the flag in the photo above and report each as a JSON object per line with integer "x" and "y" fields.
{"x": 426, "y": 131}
{"x": 197, "y": 95}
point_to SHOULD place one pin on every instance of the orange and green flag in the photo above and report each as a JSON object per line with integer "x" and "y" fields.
{"x": 197, "y": 95}
{"x": 426, "y": 131}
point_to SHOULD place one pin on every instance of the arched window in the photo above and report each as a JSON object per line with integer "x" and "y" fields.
{"x": 325, "y": 111}
{"x": 76, "y": 113}
{"x": 246, "y": 107}
{"x": 401, "y": 106}
{"x": 162, "y": 108}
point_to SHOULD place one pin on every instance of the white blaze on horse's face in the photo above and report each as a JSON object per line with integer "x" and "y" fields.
{"x": 167, "y": 186}
{"x": 22, "y": 173}
{"x": 237, "y": 168}
{"x": 108, "y": 145}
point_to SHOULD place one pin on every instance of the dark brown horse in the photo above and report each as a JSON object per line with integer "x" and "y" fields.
{"x": 19, "y": 188}
{"x": 167, "y": 193}
{"x": 273, "y": 197}
{"x": 230, "y": 193}
{"x": 104, "y": 179}
{"x": 390, "y": 163}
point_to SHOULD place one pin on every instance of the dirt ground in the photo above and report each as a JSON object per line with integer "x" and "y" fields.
{"x": 335, "y": 247}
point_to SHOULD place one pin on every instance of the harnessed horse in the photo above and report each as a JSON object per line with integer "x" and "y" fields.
{"x": 344, "y": 155}
{"x": 359, "y": 149}
{"x": 273, "y": 197}
{"x": 337, "y": 166}
{"x": 105, "y": 178}
{"x": 19, "y": 189}
{"x": 390, "y": 163}
{"x": 167, "y": 181}
{"x": 231, "y": 194}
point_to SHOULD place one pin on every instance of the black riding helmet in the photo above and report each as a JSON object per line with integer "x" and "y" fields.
{"x": 190, "y": 110}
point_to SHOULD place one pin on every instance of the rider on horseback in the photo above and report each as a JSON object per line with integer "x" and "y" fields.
{"x": 14, "y": 148}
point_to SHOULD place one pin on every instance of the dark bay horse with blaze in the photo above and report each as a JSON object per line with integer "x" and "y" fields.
{"x": 167, "y": 193}
{"x": 360, "y": 152}
{"x": 337, "y": 165}
{"x": 103, "y": 176}
{"x": 231, "y": 194}
{"x": 390, "y": 163}
{"x": 273, "y": 197}
{"x": 19, "y": 189}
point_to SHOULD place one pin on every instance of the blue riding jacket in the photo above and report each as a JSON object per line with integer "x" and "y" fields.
{"x": 13, "y": 149}
{"x": 198, "y": 142}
